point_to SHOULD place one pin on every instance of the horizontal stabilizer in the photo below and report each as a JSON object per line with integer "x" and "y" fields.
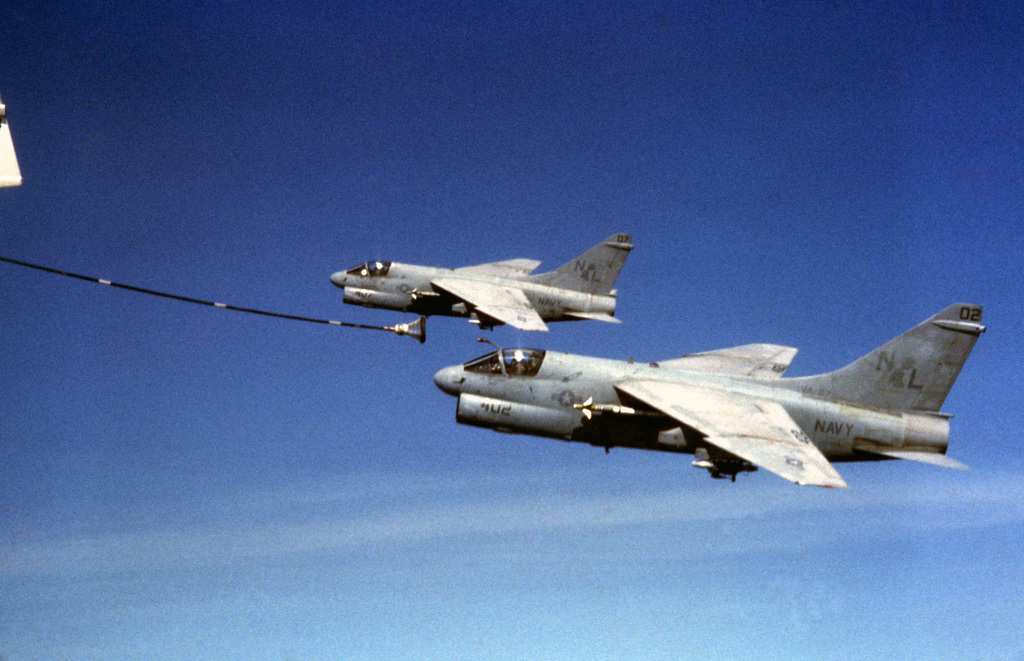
{"x": 933, "y": 458}
{"x": 594, "y": 316}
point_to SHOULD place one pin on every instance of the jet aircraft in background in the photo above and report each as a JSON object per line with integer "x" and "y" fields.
{"x": 10, "y": 174}
{"x": 731, "y": 408}
{"x": 496, "y": 293}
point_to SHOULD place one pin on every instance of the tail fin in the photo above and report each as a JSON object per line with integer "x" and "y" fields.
{"x": 593, "y": 272}
{"x": 915, "y": 371}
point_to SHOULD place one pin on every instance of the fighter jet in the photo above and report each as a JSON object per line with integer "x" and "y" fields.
{"x": 495, "y": 293}
{"x": 731, "y": 408}
{"x": 10, "y": 174}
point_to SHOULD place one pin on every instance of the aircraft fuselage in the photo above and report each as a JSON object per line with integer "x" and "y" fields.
{"x": 554, "y": 401}
{"x": 409, "y": 288}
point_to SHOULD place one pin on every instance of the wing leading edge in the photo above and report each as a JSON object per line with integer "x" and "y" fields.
{"x": 510, "y": 268}
{"x": 755, "y": 430}
{"x": 760, "y": 361}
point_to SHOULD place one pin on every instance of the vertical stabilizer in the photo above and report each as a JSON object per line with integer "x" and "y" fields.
{"x": 593, "y": 272}
{"x": 10, "y": 174}
{"x": 915, "y": 371}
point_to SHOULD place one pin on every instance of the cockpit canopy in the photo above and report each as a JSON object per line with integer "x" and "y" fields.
{"x": 511, "y": 362}
{"x": 370, "y": 269}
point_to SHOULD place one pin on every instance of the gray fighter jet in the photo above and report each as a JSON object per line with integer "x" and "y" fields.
{"x": 496, "y": 293}
{"x": 730, "y": 408}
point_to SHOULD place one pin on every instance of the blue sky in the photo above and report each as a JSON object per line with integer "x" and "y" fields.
{"x": 183, "y": 482}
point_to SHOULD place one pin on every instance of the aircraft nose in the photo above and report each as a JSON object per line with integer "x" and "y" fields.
{"x": 449, "y": 379}
{"x": 338, "y": 279}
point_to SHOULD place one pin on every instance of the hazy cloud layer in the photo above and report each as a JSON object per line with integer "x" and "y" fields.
{"x": 387, "y": 512}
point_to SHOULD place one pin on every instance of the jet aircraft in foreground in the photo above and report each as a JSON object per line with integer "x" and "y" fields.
{"x": 730, "y": 408}
{"x": 10, "y": 174}
{"x": 495, "y": 293}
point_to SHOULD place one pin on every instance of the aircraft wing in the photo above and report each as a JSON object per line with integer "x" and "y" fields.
{"x": 511, "y": 268}
{"x": 508, "y": 305}
{"x": 760, "y": 361}
{"x": 756, "y": 430}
